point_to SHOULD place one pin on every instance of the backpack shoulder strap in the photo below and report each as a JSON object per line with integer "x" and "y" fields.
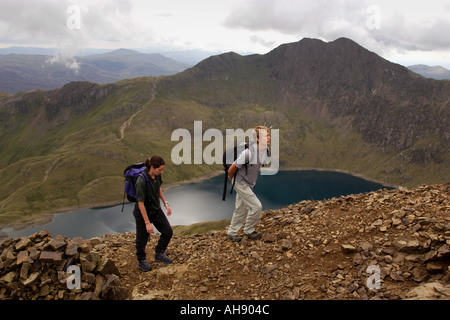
{"x": 144, "y": 176}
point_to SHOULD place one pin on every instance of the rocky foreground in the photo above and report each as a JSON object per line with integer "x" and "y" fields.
{"x": 388, "y": 244}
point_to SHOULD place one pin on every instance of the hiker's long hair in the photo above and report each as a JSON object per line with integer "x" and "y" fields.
{"x": 155, "y": 162}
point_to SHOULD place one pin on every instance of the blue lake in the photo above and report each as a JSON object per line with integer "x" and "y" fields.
{"x": 199, "y": 202}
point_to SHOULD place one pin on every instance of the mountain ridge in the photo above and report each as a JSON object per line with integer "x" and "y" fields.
{"x": 23, "y": 72}
{"x": 433, "y": 72}
{"x": 305, "y": 76}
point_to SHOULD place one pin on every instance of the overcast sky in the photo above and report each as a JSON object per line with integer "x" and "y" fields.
{"x": 405, "y": 32}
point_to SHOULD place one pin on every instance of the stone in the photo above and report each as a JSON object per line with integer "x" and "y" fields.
{"x": 31, "y": 278}
{"x": 269, "y": 237}
{"x": 348, "y": 248}
{"x": 419, "y": 274}
{"x": 396, "y": 276}
{"x": 38, "y": 269}
{"x": 22, "y": 243}
{"x": 24, "y": 270}
{"x": 44, "y": 291}
{"x": 71, "y": 249}
{"x": 357, "y": 259}
{"x": 99, "y": 282}
{"x": 56, "y": 244}
{"x": 407, "y": 245}
{"x": 9, "y": 277}
{"x": 89, "y": 261}
{"x": 429, "y": 291}
{"x": 414, "y": 257}
{"x": 8, "y": 257}
{"x": 51, "y": 256}
{"x": 286, "y": 244}
{"x": 365, "y": 246}
{"x": 436, "y": 266}
{"x": 255, "y": 255}
{"x": 106, "y": 267}
{"x": 270, "y": 268}
{"x": 443, "y": 252}
{"x": 308, "y": 209}
{"x": 112, "y": 289}
{"x": 88, "y": 296}
{"x": 22, "y": 257}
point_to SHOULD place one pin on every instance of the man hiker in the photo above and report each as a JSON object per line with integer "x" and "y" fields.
{"x": 148, "y": 210}
{"x": 248, "y": 207}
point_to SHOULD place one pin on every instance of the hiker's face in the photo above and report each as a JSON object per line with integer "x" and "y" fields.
{"x": 264, "y": 138}
{"x": 159, "y": 170}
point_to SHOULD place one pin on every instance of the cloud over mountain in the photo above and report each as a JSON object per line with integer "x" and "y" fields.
{"x": 413, "y": 27}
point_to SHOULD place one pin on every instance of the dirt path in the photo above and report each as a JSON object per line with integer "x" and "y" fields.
{"x": 128, "y": 122}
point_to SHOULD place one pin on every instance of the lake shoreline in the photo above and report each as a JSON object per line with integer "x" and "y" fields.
{"x": 47, "y": 217}
{"x": 358, "y": 175}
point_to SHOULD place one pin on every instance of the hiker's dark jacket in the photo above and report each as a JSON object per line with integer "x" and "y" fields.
{"x": 150, "y": 195}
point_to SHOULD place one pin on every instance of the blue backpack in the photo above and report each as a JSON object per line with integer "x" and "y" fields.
{"x": 131, "y": 173}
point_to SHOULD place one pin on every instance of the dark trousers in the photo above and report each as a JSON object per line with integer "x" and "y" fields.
{"x": 160, "y": 222}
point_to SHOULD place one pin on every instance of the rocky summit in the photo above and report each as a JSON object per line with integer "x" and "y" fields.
{"x": 387, "y": 244}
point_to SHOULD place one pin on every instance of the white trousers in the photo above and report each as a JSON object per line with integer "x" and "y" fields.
{"x": 247, "y": 212}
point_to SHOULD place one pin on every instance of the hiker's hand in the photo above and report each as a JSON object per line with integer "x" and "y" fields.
{"x": 149, "y": 228}
{"x": 169, "y": 211}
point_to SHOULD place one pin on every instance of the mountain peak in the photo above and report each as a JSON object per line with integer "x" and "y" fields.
{"x": 122, "y": 52}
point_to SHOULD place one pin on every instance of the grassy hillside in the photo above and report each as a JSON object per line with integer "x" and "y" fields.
{"x": 67, "y": 148}
{"x": 79, "y": 163}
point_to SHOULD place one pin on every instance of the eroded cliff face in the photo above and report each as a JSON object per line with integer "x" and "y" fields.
{"x": 388, "y": 244}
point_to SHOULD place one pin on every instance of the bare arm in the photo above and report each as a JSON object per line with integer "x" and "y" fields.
{"x": 231, "y": 171}
{"x": 148, "y": 225}
{"x": 161, "y": 195}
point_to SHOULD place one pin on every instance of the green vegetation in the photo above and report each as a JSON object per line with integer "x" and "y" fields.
{"x": 67, "y": 148}
{"x": 201, "y": 227}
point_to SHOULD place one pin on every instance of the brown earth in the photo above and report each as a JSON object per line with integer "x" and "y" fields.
{"x": 317, "y": 250}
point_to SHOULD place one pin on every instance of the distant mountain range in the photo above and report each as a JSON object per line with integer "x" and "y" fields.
{"x": 336, "y": 105}
{"x": 436, "y": 72}
{"x": 23, "y": 72}
{"x": 29, "y": 68}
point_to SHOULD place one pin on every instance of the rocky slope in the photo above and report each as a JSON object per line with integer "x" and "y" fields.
{"x": 310, "y": 250}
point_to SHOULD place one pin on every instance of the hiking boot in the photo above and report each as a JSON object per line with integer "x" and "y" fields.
{"x": 144, "y": 266}
{"x": 255, "y": 235}
{"x": 234, "y": 238}
{"x": 161, "y": 257}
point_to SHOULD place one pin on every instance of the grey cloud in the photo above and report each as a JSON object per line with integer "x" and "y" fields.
{"x": 45, "y": 22}
{"x": 261, "y": 41}
{"x": 293, "y": 17}
{"x": 35, "y": 21}
{"x": 333, "y": 19}
{"x": 423, "y": 35}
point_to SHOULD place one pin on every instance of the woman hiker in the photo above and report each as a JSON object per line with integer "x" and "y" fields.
{"x": 148, "y": 210}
